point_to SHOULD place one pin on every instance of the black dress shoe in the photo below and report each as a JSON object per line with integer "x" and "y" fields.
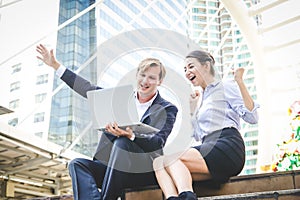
{"x": 188, "y": 195}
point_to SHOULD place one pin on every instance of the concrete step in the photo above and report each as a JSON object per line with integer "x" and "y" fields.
{"x": 267, "y": 186}
{"x": 62, "y": 197}
{"x": 293, "y": 194}
{"x": 268, "y": 195}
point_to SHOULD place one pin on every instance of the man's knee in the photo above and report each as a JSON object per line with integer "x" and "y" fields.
{"x": 75, "y": 163}
{"x": 123, "y": 143}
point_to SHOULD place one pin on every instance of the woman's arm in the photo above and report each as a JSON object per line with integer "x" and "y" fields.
{"x": 238, "y": 77}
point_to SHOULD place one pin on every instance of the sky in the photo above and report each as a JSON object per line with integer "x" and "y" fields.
{"x": 24, "y": 23}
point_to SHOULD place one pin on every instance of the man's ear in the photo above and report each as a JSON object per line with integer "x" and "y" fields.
{"x": 159, "y": 82}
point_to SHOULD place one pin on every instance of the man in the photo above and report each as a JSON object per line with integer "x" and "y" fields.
{"x": 121, "y": 159}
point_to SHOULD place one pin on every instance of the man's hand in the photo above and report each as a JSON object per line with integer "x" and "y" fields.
{"x": 47, "y": 56}
{"x": 114, "y": 129}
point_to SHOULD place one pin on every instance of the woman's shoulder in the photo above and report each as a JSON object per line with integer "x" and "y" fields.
{"x": 229, "y": 83}
{"x": 230, "y": 86}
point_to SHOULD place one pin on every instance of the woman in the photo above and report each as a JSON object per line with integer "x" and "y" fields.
{"x": 216, "y": 123}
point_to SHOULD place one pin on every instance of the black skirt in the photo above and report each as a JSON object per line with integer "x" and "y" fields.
{"x": 224, "y": 154}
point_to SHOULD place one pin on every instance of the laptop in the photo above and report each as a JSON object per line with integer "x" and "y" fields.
{"x": 116, "y": 105}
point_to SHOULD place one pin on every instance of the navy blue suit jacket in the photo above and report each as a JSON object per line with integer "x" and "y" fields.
{"x": 161, "y": 115}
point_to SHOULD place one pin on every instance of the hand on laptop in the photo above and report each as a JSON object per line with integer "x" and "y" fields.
{"x": 114, "y": 129}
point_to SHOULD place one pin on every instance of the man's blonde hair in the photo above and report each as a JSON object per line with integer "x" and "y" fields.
{"x": 152, "y": 62}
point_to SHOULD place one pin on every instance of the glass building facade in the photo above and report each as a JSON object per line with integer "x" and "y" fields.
{"x": 83, "y": 32}
{"x": 76, "y": 42}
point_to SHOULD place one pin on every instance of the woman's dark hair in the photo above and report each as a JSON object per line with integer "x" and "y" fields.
{"x": 202, "y": 57}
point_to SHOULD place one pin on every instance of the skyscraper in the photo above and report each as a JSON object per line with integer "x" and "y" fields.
{"x": 86, "y": 30}
{"x": 76, "y": 42}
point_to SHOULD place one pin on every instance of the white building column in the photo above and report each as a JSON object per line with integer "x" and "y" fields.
{"x": 240, "y": 13}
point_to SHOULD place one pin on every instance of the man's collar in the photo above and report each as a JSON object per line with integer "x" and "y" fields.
{"x": 150, "y": 101}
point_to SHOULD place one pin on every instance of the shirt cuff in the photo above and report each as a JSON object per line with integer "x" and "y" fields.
{"x": 132, "y": 137}
{"x": 60, "y": 71}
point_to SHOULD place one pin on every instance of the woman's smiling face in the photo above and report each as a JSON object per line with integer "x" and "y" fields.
{"x": 195, "y": 71}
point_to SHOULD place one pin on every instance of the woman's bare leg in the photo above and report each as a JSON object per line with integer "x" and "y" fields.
{"x": 189, "y": 162}
{"x": 174, "y": 172}
{"x": 181, "y": 176}
{"x": 194, "y": 161}
{"x": 163, "y": 178}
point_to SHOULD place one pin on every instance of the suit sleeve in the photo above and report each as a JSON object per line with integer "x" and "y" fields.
{"x": 77, "y": 83}
{"x": 163, "y": 120}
